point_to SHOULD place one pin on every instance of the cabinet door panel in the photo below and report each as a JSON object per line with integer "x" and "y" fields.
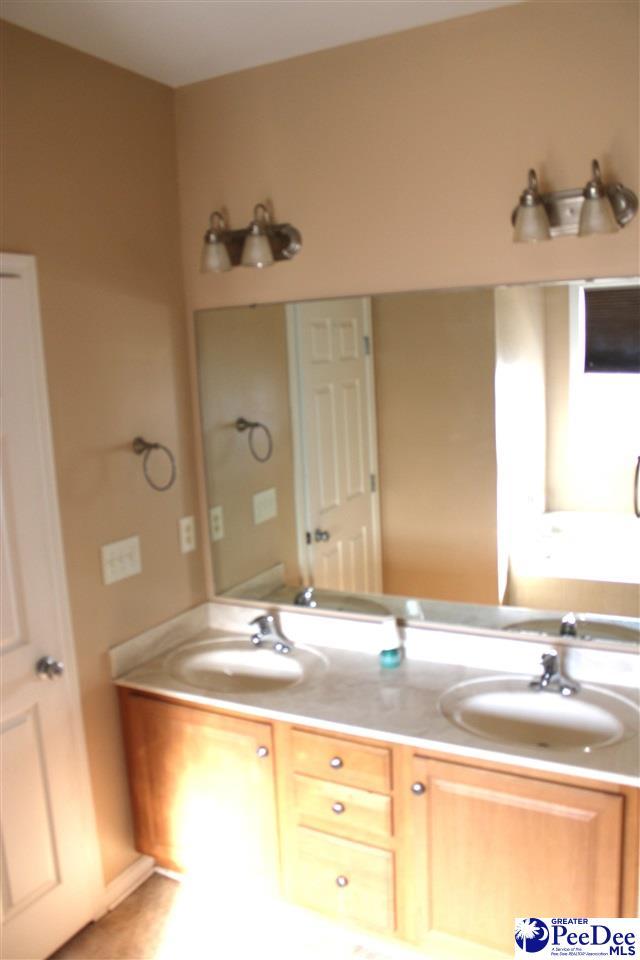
{"x": 202, "y": 796}
{"x": 496, "y": 846}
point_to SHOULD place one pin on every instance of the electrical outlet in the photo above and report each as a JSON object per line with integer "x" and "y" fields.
{"x": 216, "y": 523}
{"x": 265, "y": 505}
{"x": 120, "y": 559}
{"x": 187, "y": 526}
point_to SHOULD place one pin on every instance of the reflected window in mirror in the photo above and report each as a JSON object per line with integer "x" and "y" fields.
{"x": 588, "y": 530}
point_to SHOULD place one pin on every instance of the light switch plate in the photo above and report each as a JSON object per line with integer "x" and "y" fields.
{"x": 216, "y": 524}
{"x": 120, "y": 559}
{"x": 187, "y": 527}
{"x": 265, "y": 505}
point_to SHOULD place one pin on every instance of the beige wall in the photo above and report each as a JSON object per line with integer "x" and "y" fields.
{"x": 557, "y": 359}
{"x": 401, "y": 158}
{"x": 89, "y": 187}
{"x": 243, "y": 372}
{"x": 557, "y": 594}
{"x": 520, "y": 417}
{"x": 434, "y": 364}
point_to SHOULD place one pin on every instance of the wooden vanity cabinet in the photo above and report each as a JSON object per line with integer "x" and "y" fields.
{"x": 490, "y": 846}
{"x": 443, "y": 853}
{"x": 202, "y": 788}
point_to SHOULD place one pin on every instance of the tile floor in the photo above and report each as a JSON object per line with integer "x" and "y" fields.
{"x": 166, "y": 920}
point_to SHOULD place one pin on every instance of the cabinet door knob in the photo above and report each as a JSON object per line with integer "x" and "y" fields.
{"x": 418, "y": 788}
{"x": 336, "y": 762}
{"x": 338, "y": 807}
{"x": 262, "y": 752}
{"x": 342, "y": 881}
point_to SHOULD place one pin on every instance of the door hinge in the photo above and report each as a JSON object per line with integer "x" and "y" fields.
{"x": 373, "y": 482}
{"x": 307, "y": 537}
{"x": 367, "y": 345}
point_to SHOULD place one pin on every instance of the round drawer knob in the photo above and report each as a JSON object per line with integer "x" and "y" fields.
{"x": 338, "y": 807}
{"x": 418, "y": 788}
{"x": 342, "y": 881}
{"x": 336, "y": 762}
{"x": 262, "y": 752}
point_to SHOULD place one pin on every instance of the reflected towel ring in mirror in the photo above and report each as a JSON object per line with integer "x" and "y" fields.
{"x": 143, "y": 448}
{"x": 242, "y": 424}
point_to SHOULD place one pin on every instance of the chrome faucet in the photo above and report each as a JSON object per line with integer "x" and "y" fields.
{"x": 569, "y": 625}
{"x": 269, "y": 630}
{"x": 553, "y": 679}
{"x": 306, "y": 598}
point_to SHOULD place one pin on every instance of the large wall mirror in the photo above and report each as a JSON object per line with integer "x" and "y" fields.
{"x": 465, "y": 456}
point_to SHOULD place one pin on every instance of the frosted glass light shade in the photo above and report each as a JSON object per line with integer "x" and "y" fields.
{"x": 596, "y": 216}
{"x": 532, "y": 224}
{"x": 256, "y": 251}
{"x": 215, "y": 257}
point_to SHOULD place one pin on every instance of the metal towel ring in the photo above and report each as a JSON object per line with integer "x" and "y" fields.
{"x": 252, "y": 425}
{"x": 144, "y": 448}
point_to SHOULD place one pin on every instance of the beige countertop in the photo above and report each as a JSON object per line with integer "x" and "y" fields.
{"x": 355, "y": 696}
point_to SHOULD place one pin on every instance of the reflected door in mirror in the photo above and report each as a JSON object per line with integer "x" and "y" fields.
{"x": 335, "y": 441}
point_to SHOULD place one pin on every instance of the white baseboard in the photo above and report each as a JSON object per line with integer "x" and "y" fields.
{"x": 125, "y": 883}
{"x": 171, "y": 874}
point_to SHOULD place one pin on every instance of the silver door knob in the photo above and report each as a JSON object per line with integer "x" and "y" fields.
{"x": 321, "y": 536}
{"x": 342, "y": 881}
{"x": 262, "y": 752}
{"x": 48, "y": 667}
{"x": 336, "y": 762}
{"x": 418, "y": 788}
{"x": 338, "y": 807}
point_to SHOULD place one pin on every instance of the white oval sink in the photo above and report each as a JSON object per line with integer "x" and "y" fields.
{"x": 510, "y": 711}
{"x": 229, "y": 665}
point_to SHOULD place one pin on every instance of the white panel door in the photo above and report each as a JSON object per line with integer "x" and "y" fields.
{"x": 337, "y": 426}
{"x": 49, "y": 860}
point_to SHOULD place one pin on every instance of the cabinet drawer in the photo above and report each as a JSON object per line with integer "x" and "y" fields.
{"x": 347, "y": 811}
{"x": 345, "y": 879}
{"x": 341, "y": 761}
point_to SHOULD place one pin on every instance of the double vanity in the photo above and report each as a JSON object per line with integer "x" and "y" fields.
{"x": 431, "y": 803}
{"x": 443, "y": 460}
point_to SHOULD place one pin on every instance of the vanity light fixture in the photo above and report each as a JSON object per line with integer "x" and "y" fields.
{"x": 596, "y": 208}
{"x": 257, "y": 251}
{"x": 531, "y": 222}
{"x": 596, "y": 215}
{"x": 215, "y": 256}
{"x": 260, "y": 244}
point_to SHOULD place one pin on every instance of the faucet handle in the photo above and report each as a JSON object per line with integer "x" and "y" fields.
{"x": 265, "y": 624}
{"x": 306, "y": 597}
{"x": 269, "y": 629}
{"x": 549, "y": 660}
{"x": 569, "y": 625}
